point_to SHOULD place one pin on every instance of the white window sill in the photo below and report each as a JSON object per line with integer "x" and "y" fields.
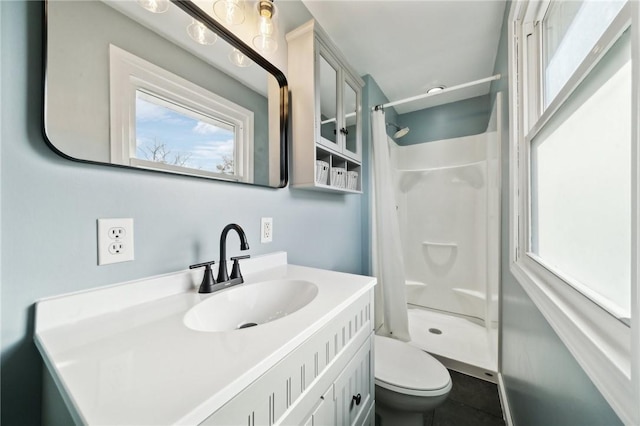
{"x": 600, "y": 343}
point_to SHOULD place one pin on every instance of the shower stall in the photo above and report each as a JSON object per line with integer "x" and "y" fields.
{"x": 448, "y": 204}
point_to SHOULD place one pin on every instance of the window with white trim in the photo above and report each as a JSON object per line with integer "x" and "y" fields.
{"x": 161, "y": 121}
{"x": 574, "y": 165}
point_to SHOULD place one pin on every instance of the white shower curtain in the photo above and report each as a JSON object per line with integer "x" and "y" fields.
{"x": 388, "y": 264}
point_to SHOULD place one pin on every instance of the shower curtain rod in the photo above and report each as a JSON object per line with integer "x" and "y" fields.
{"x": 446, "y": 90}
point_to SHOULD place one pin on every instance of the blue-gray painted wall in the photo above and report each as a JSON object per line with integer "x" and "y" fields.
{"x": 454, "y": 120}
{"x": 50, "y": 206}
{"x": 544, "y": 383}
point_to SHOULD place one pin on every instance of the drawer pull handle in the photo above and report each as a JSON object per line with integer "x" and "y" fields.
{"x": 357, "y": 398}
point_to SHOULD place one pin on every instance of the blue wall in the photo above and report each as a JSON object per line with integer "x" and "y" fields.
{"x": 50, "y": 206}
{"x": 544, "y": 383}
{"x": 454, "y": 120}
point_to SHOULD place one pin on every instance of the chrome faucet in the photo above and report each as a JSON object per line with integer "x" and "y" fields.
{"x": 223, "y": 276}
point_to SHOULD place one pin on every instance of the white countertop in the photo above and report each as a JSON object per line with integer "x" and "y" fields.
{"x": 122, "y": 355}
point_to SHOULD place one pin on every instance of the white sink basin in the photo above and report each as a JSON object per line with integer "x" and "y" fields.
{"x": 249, "y": 305}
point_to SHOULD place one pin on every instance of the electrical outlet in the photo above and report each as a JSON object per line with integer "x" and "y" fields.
{"x": 266, "y": 230}
{"x": 117, "y": 233}
{"x": 116, "y": 248}
{"x": 115, "y": 241}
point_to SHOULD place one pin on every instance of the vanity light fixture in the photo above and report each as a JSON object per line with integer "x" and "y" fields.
{"x": 155, "y": 6}
{"x": 239, "y": 59}
{"x": 266, "y": 41}
{"x": 201, "y": 34}
{"x": 229, "y": 11}
{"x": 436, "y": 89}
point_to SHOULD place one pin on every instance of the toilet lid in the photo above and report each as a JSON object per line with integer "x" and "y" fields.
{"x": 403, "y": 368}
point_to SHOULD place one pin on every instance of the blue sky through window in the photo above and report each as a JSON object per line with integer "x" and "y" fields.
{"x": 180, "y": 139}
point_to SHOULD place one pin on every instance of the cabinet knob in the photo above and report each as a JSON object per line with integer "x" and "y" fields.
{"x": 357, "y": 399}
{"x": 344, "y": 131}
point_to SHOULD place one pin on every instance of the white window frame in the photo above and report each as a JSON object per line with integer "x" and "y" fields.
{"x": 129, "y": 74}
{"x": 606, "y": 348}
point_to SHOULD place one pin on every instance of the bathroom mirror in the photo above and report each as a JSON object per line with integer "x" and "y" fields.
{"x": 172, "y": 92}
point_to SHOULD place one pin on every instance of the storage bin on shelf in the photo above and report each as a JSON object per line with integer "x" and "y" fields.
{"x": 322, "y": 172}
{"x": 352, "y": 180}
{"x": 338, "y": 177}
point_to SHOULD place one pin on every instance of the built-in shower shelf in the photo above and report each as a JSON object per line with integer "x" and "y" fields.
{"x": 469, "y": 173}
{"x": 473, "y": 301}
{"x": 437, "y": 169}
{"x": 470, "y": 293}
{"x": 439, "y": 244}
{"x": 413, "y": 283}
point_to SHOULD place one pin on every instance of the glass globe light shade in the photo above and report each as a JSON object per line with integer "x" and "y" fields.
{"x": 201, "y": 34}
{"x": 155, "y": 6}
{"x": 239, "y": 59}
{"x": 229, "y": 11}
{"x": 265, "y": 41}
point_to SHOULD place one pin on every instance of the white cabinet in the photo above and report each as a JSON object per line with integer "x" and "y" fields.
{"x": 354, "y": 389}
{"x": 317, "y": 382}
{"x": 326, "y": 112}
{"x": 349, "y": 400}
{"x": 325, "y": 412}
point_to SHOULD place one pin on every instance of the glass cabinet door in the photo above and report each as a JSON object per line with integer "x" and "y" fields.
{"x": 351, "y": 121}
{"x": 328, "y": 98}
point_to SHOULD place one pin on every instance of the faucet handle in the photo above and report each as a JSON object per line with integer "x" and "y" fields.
{"x": 207, "y": 281}
{"x": 200, "y": 265}
{"x": 235, "y": 271}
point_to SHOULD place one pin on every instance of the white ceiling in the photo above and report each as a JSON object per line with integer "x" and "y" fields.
{"x": 411, "y": 46}
{"x": 407, "y": 46}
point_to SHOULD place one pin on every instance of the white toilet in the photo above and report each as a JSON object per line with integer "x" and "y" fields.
{"x": 408, "y": 382}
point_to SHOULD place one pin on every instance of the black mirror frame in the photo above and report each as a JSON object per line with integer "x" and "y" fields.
{"x": 195, "y": 12}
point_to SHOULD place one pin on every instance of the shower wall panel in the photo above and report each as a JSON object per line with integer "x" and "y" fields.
{"x": 442, "y": 199}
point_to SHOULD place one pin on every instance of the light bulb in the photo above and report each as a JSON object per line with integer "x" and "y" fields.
{"x": 266, "y": 41}
{"x": 201, "y": 34}
{"x": 229, "y": 11}
{"x": 239, "y": 59}
{"x": 265, "y": 25}
{"x": 155, "y": 6}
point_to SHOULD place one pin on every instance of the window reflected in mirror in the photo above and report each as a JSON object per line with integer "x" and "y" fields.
{"x": 170, "y": 134}
{"x": 176, "y": 125}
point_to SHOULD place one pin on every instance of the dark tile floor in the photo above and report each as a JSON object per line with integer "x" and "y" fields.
{"x": 472, "y": 402}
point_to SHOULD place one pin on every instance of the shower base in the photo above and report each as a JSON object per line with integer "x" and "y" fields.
{"x": 458, "y": 343}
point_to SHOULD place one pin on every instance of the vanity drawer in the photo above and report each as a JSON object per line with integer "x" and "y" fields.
{"x": 291, "y": 389}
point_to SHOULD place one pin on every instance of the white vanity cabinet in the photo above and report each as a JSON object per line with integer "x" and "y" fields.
{"x": 349, "y": 400}
{"x": 318, "y": 383}
{"x": 132, "y": 353}
{"x": 354, "y": 389}
{"x": 326, "y": 110}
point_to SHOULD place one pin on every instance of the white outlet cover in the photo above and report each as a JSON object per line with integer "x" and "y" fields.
{"x": 266, "y": 230}
{"x": 112, "y": 232}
